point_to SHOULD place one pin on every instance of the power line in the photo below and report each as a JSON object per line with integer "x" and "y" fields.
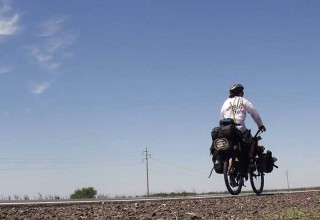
{"x": 58, "y": 168}
{"x": 59, "y": 159}
{"x": 180, "y": 167}
{"x": 66, "y": 165}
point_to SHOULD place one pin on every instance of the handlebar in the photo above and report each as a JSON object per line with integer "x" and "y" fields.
{"x": 258, "y": 132}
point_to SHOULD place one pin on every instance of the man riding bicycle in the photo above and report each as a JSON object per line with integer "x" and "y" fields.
{"x": 236, "y": 107}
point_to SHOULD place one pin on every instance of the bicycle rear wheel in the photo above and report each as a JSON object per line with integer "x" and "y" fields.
{"x": 257, "y": 181}
{"x": 232, "y": 177}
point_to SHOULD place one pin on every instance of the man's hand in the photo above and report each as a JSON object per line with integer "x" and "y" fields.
{"x": 262, "y": 128}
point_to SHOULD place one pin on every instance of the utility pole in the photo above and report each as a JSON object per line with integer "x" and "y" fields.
{"x": 146, "y": 158}
{"x": 287, "y": 175}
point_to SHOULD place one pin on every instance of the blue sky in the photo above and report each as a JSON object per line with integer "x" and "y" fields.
{"x": 86, "y": 86}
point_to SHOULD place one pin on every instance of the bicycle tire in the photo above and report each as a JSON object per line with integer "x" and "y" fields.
{"x": 257, "y": 181}
{"x": 234, "y": 189}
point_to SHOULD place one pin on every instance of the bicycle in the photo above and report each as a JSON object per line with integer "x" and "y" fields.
{"x": 236, "y": 169}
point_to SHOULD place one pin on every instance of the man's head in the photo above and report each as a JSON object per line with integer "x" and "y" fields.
{"x": 236, "y": 90}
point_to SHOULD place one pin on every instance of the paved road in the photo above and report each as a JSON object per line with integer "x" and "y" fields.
{"x": 136, "y": 199}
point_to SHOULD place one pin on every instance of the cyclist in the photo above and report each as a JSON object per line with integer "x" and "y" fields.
{"x": 236, "y": 107}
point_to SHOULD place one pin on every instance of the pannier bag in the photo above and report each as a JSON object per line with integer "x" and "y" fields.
{"x": 214, "y": 136}
{"x": 226, "y": 121}
{"x": 228, "y": 131}
{"x": 225, "y": 136}
{"x": 225, "y": 130}
{"x": 228, "y": 136}
{"x": 222, "y": 139}
{"x": 218, "y": 168}
{"x": 214, "y": 133}
{"x": 266, "y": 162}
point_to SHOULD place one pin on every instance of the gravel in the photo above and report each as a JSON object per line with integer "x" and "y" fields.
{"x": 304, "y": 205}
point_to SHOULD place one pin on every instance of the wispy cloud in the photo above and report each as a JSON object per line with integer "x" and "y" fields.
{"x": 52, "y": 27}
{"x": 52, "y": 48}
{"x": 45, "y": 59}
{"x": 39, "y": 88}
{"x": 5, "y": 69}
{"x": 4, "y": 6}
{"x": 53, "y": 43}
{"x": 8, "y": 22}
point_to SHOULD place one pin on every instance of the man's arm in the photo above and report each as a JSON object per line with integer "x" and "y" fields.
{"x": 254, "y": 114}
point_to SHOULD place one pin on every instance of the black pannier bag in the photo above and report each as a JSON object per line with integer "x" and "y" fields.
{"x": 214, "y": 136}
{"x": 266, "y": 162}
{"x": 214, "y": 133}
{"x": 225, "y": 136}
{"x": 216, "y": 158}
{"x": 228, "y": 131}
{"x": 228, "y": 137}
{"x": 226, "y": 121}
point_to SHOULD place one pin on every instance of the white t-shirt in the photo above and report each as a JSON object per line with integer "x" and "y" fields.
{"x": 240, "y": 107}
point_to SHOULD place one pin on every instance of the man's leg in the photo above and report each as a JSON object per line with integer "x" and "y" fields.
{"x": 251, "y": 145}
{"x": 251, "y": 149}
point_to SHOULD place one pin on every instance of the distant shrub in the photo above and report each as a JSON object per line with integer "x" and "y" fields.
{"x": 84, "y": 193}
{"x": 102, "y": 196}
{"x": 174, "y": 194}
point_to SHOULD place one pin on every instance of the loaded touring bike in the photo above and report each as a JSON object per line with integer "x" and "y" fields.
{"x": 230, "y": 159}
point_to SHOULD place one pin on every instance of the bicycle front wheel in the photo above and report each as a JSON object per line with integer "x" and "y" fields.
{"x": 257, "y": 181}
{"x": 232, "y": 177}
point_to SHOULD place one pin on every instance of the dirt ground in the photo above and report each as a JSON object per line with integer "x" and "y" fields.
{"x": 304, "y": 205}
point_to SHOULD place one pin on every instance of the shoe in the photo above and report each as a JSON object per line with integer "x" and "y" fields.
{"x": 233, "y": 182}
